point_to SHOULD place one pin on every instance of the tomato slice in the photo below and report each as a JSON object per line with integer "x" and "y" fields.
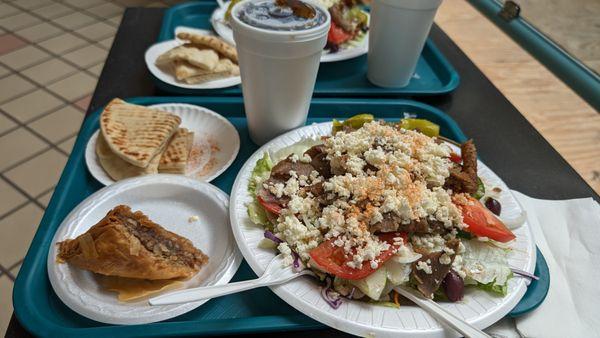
{"x": 337, "y": 35}
{"x": 483, "y": 223}
{"x": 454, "y": 157}
{"x": 270, "y": 206}
{"x": 331, "y": 258}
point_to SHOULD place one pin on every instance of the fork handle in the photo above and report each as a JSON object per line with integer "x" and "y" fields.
{"x": 205, "y": 292}
{"x": 442, "y": 315}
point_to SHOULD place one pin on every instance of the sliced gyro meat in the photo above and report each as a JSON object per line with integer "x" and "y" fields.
{"x": 431, "y": 269}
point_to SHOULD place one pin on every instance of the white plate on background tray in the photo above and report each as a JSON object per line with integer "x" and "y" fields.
{"x": 162, "y": 47}
{"x": 359, "y": 318}
{"x": 216, "y": 143}
{"x": 349, "y": 52}
{"x": 168, "y": 200}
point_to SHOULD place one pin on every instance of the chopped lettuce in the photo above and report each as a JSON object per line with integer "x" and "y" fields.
{"x": 257, "y": 214}
{"x": 486, "y": 266}
{"x": 480, "y": 189}
{"x": 297, "y": 148}
{"x": 397, "y": 273}
{"x": 260, "y": 173}
{"x": 495, "y": 288}
{"x": 372, "y": 285}
{"x": 266, "y": 243}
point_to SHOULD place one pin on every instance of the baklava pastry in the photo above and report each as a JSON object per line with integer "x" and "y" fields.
{"x": 128, "y": 244}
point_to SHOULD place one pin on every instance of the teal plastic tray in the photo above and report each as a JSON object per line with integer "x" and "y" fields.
{"x": 42, "y": 313}
{"x": 434, "y": 74}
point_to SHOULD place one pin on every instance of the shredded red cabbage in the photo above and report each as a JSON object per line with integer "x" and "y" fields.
{"x": 296, "y": 264}
{"x": 524, "y": 273}
{"x": 329, "y": 295}
{"x": 271, "y": 236}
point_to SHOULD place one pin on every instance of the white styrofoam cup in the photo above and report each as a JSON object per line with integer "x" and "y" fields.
{"x": 279, "y": 70}
{"x": 398, "y": 31}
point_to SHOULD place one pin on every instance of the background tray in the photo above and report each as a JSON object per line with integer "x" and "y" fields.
{"x": 43, "y": 314}
{"x": 434, "y": 74}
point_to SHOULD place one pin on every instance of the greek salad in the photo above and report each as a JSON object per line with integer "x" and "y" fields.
{"x": 379, "y": 204}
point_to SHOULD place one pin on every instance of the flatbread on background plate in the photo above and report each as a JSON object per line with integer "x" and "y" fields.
{"x": 203, "y": 58}
{"x": 213, "y": 42}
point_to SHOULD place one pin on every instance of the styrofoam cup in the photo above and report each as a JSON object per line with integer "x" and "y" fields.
{"x": 279, "y": 70}
{"x": 398, "y": 31}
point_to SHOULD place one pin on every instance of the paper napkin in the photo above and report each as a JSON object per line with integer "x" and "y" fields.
{"x": 568, "y": 235}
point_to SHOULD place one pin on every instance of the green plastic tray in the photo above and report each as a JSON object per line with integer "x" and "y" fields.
{"x": 434, "y": 74}
{"x": 42, "y": 313}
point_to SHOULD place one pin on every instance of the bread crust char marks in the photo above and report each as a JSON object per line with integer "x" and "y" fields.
{"x": 136, "y": 133}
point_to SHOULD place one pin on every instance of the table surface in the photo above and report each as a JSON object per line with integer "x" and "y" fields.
{"x": 506, "y": 141}
{"x": 567, "y": 122}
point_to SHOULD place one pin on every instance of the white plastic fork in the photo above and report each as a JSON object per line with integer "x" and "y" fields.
{"x": 441, "y": 314}
{"x": 275, "y": 273}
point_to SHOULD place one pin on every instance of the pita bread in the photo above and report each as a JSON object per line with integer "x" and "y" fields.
{"x": 192, "y": 75}
{"x": 206, "y": 77}
{"x": 211, "y": 41}
{"x": 175, "y": 157}
{"x": 205, "y": 59}
{"x": 184, "y": 70}
{"x": 135, "y": 133}
{"x": 119, "y": 169}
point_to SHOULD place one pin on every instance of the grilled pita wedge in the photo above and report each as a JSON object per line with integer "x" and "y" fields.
{"x": 119, "y": 169}
{"x": 128, "y": 244}
{"x": 192, "y": 75}
{"x": 175, "y": 157}
{"x": 211, "y": 41}
{"x": 205, "y": 59}
{"x": 135, "y": 133}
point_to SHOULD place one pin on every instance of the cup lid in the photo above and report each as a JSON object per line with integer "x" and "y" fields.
{"x": 279, "y": 35}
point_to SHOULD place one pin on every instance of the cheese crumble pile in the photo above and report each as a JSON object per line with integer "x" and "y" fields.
{"x": 381, "y": 171}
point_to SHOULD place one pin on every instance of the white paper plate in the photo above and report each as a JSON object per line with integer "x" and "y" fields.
{"x": 168, "y": 200}
{"x": 216, "y": 143}
{"x": 159, "y": 48}
{"x": 479, "y": 307}
{"x": 224, "y": 31}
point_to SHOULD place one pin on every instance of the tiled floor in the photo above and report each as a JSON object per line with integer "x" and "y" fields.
{"x": 51, "y": 54}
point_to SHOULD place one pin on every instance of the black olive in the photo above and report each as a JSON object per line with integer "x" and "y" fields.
{"x": 454, "y": 287}
{"x": 493, "y": 205}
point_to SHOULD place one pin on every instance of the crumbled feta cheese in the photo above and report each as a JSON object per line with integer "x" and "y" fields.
{"x": 291, "y": 186}
{"x": 276, "y": 189}
{"x": 425, "y": 266}
{"x": 285, "y": 250}
{"x": 381, "y": 170}
{"x": 355, "y": 165}
{"x": 457, "y": 265}
{"x": 445, "y": 259}
{"x": 193, "y": 219}
{"x": 429, "y": 243}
